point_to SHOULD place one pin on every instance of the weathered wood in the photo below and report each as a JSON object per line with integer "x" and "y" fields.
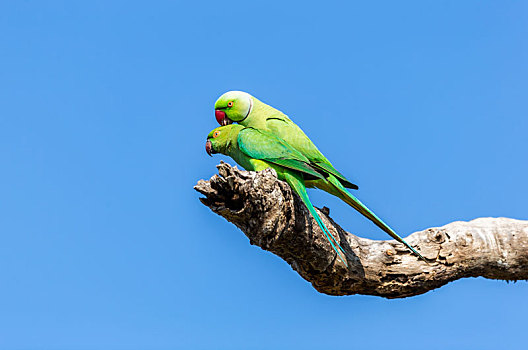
{"x": 275, "y": 219}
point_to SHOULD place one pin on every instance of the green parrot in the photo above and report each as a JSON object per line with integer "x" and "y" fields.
{"x": 258, "y": 150}
{"x": 244, "y": 109}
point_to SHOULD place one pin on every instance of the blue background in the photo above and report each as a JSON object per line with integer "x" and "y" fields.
{"x": 104, "y": 110}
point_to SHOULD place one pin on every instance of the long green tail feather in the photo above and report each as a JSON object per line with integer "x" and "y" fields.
{"x": 360, "y": 207}
{"x": 298, "y": 187}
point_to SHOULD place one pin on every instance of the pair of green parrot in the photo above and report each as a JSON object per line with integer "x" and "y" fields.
{"x": 266, "y": 138}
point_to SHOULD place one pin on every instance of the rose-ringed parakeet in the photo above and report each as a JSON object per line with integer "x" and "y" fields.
{"x": 258, "y": 150}
{"x": 242, "y": 108}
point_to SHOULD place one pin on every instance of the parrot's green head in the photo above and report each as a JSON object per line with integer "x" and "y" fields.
{"x": 233, "y": 106}
{"x": 220, "y": 139}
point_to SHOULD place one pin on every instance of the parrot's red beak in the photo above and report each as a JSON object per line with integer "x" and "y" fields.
{"x": 209, "y": 148}
{"x": 220, "y": 116}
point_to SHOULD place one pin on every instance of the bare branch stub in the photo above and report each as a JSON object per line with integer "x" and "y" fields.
{"x": 275, "y": 219}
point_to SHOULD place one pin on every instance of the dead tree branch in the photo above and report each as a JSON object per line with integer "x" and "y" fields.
{"x": 273, "y": 218}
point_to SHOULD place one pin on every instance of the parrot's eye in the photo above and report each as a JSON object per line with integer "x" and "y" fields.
{"x": 215, "y": 134}
{"x": 230, "y": 104}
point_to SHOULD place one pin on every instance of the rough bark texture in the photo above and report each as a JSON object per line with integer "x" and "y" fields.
{"x": 275, "y": 219}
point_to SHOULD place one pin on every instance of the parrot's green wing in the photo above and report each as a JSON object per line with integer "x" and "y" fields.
{"x": 263, "y": 145}
{"x": 282, "y": 126}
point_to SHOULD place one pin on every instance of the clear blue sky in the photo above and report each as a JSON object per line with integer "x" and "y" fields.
{"x": 104, "y": 110}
